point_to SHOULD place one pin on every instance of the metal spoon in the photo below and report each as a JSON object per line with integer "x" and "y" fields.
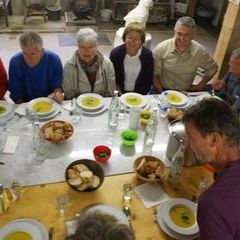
{"x": 127, "y": 211}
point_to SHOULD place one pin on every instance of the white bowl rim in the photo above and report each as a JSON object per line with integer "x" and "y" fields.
{"x": 167, "y": 219}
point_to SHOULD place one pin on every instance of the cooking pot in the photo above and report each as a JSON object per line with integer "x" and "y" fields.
{"x": 177, "y": 137}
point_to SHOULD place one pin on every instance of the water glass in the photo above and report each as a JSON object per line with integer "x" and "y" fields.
{"x": 127, "y": 192}
{"x": 31, "y": 116}
{"x": 122, "y": 111}
{"x": 39, "y": 150}
{"x": 77, "y": 113}
{"x": 62, "y": 204}
{"x": 203, "y": 184}
{"x": 3, "y": 125}
{"x": 163, "y": 106}
{"x": 16, "y": 190}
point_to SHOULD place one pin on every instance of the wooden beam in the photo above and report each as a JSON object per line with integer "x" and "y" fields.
{"x": 228, "y": 38}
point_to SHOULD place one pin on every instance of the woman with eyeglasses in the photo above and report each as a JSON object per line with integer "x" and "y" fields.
{"x": 133, "y": 63}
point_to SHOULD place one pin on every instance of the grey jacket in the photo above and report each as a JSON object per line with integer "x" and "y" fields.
{"x": 75, "y": 81}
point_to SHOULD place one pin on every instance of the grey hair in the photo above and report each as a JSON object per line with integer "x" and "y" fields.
{"x": 30, "y": 38}
{"x": 87, "y": 34}
{"x": 187, "y": 22}
{"x": 236, "y": 53}
{"x": 100, "y": 226}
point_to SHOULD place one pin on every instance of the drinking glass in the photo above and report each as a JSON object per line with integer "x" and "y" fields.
{"x": 77, "y": 114}
{"x": 3, "y": 124}
{"x": 16, "y": 189}
{"x": 31, "y": 116}
{"x": 62, "y": 204}
{"x": 203, "y": 184}
{"x": 127, "y": 192}
{"x": 122, "y": 111}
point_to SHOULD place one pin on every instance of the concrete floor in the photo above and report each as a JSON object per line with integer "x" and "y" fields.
{"x": 49, "y": 31}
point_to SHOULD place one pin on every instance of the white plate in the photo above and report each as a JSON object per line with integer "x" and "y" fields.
{"x": 129, "y": 99}
{"x": 36, "y": 100}
{"x": 7, "y": 106}
{"x": 167, "y": 219}
{"x": 21, "y": 226}
{"x": 40, "y": 226}
{"x": 90, "y": 96}
{"x": 95, "y": 113}
{"x": 168, "y": 230}
{"x": 109, "y": 209}
{"x": 182, "y": 99}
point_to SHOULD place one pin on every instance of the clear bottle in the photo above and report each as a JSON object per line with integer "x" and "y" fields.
{"x": 113, "y": 111}
{"x": 39, "y": 148}
{"x": 177, "y": 165}
{"x": 151, "y": 129}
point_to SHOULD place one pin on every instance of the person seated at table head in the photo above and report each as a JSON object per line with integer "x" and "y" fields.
{"x": 228, "y": 88}
{"x": 100, "y": 226}
{"x": 3, "y": 80}
{"x": 177, "y": 60}
{"x": 133, "y": 63}
{"x": 212, "y": 128}
{"x": 34, "y": 72}
{"x": 88, "y": 70}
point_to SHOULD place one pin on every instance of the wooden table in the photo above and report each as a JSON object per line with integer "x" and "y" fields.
{"x": 39, "y": 202}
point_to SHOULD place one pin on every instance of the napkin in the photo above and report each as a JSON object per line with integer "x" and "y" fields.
{"x": 151, "y": 194}
{"x": 11, "y": 144}
{"x": 71, "y": 226}
{"x": 21, "y": 110}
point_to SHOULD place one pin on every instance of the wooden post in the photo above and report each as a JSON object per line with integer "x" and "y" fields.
{"x": 228, "y": 38}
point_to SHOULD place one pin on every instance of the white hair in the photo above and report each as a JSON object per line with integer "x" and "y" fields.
{"x": 87, "y": 34}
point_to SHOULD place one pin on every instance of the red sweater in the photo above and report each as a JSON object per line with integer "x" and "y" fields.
{"x": 3, "y": 80}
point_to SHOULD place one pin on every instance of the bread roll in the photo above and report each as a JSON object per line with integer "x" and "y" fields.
{"x": 75, "y": 181}
{"x": 80, "y": 167}
{"x": 95, "y": 183}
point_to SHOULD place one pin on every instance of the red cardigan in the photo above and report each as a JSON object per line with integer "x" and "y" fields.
{"x": 3, "y": 80}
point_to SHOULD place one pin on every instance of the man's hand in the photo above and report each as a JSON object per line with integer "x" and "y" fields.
{"x": 196, "y": 88}
{"x": 58, "y": 96}
{"x": 157, "y": 83}
{"x": 218, "y": 85}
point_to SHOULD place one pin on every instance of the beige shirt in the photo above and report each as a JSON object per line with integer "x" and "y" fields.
{"x": 177, "y": 71}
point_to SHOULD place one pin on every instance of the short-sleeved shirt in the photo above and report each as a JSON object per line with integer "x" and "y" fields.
{"x": 177, "y": 70}
{"x": 27, "y": 82}
{"x": 218, "y": 207}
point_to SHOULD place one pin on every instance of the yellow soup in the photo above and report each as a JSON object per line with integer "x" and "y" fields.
{"x": 90, "y": 102}
{"x": 133, "y": 100}
{"x": 174, "y": 98}
{"x": 182, "y": 216}
{"x": 2, "y": 110}
{"x": 42, "y": 106}
{"x": 18, "y": 236}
